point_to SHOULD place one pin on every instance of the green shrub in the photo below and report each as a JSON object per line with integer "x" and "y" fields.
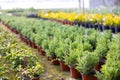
{"x": 86, "y": 63}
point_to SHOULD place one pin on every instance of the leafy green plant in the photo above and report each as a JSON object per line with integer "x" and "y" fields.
{"x": 101, "y": 50}
{"x": 111, "y": 70}
{"x": 107, "y": 34}
{"x": 32, "y": 37}
{"x": 45, "y": 44}
{"x": 93, "y": 38}
{"x": 32, "y": 69}
{"x": 86, "y": 63}
{"x": 17, "y": 59}
{"x": 87, "y": 46}
{"x": 39, "y": 39}
{"x": 24, "y": 63}
{"x": 62, "y": 50}
{"x": 53, "y": 44}
{"x": 71, "y": 58}
{"x": 103, "y": 43}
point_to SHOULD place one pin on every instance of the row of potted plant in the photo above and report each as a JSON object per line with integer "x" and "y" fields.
{"x": 17, "y": 60}
{"x": 97, "y": 21}
{"x": 111, "y": 70}
{"x": 79, "y": 49}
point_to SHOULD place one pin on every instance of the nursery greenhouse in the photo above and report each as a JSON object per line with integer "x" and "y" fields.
{"x": 59, "y": 39}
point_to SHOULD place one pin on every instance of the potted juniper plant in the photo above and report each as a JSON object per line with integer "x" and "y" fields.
{"x": 39, "y": 39}
{"x": 45, "y": 46}
{"x": 85, "y": 65}
{"x": 92, "y": 38}
{"x": 111, "y": 70}
{"x": 50, "y": 52}
{"x": 32, "y": 38}
{"x": 60, "y": 53}
{"x": 71, "y": 60}
{"x": 103, "y": 43}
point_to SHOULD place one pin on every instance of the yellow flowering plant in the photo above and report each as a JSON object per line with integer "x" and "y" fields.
{"x": 106, "y": 20}
{"x": 71, "y": 16}
{"x": 116, "y": 21}
{"x": 79, "y": 17}
{"x": 96, "y": 18}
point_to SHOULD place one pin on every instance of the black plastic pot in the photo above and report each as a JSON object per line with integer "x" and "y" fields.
{"x": 112, "y": 28}
{"x": 81, "y": 24}
{"x": 105, "y": 27}
{"x": 90, "y": 25}
{"x": 117, "y": 29}
{"x": 95, "y": 26}
{"x": 87, "y": 25}
{"x": 32, "y": 16}
{"x": 100, "y": 28}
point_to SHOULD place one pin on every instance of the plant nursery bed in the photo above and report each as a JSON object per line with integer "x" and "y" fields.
{"x": 84, "y": 52}
{"x": 51, "y": 72}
